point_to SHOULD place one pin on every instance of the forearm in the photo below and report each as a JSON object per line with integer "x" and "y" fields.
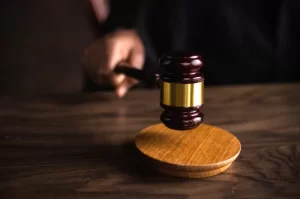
{"x": 116, "y": 14}
{"x": 101, "y": 9}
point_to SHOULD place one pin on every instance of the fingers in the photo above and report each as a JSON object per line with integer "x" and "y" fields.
{"x": 123, "y": 88}
{"x": 113, "y": 57}
{"x": 135, "y": 58}
{"x": 106, "y": 53}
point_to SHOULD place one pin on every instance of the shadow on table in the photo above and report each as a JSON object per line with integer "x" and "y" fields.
{"x": 129, "y": 161}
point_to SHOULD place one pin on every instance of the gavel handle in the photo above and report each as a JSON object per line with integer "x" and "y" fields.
{"x": 141, "y": 75}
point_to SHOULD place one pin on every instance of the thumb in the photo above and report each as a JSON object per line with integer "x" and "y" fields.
{"x": 135, "y": 59}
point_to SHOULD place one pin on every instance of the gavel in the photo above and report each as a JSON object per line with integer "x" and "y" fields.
{"x": 182, "y": 144}
{"x": 181, "y": 88}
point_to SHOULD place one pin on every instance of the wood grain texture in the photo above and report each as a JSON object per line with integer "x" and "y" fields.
{"x": 81, "y": 145}
{"x": 201, "y": 152}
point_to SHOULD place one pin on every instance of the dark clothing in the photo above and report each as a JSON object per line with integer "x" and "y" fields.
{"x": 252, "y": 41}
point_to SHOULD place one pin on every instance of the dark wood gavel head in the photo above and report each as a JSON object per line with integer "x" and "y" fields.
{"x": 181, "y": 90}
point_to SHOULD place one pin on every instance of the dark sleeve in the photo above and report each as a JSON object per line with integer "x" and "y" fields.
{"x": 123, "y": 14}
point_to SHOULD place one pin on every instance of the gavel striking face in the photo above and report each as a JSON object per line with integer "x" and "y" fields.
{"x": 181, "y": 93}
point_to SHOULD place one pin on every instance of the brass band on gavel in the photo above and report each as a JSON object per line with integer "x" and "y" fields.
{"x": 182, "y": 95}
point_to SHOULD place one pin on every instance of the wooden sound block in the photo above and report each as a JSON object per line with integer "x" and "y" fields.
{"x": 197, "y": 153}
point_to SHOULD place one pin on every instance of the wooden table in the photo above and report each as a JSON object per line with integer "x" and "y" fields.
{"x": 81, "y": 145}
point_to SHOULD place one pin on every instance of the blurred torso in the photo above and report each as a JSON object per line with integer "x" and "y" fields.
{"x": 241, "y": 41}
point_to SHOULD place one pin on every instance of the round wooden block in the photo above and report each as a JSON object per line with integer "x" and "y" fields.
{"x": 197, "y": 153}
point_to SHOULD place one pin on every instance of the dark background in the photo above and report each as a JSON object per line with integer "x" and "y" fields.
{"x": 42, "y": 42}
{"x": 41, "y": 45}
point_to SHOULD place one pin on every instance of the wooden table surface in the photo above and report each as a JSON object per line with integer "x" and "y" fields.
{"x": 81, "y": 145}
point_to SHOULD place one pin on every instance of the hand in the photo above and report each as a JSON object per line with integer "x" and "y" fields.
{"x": 106, "y": 53}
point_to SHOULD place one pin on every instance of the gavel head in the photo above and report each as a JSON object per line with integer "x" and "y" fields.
{"x": 181, "y": 90}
